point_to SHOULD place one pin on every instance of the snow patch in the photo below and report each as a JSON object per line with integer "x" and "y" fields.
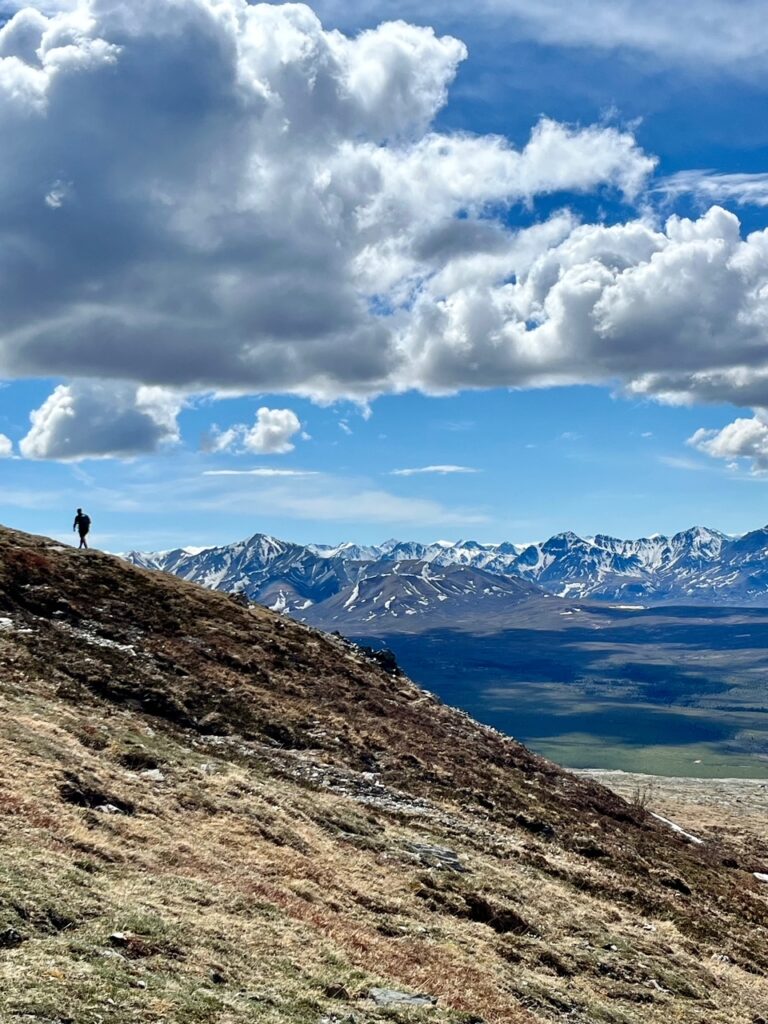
{"x": 676, "y": 828}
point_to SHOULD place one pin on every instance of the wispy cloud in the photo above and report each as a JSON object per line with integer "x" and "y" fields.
{"x": 261, "y": 471}
{"x": 680, "y": 462}
{"x": 710, "y": 186}
{"x": 370, "y": 506}
{"x": 440, "y": 470}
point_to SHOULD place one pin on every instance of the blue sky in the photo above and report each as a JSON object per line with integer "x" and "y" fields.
{"x": 232, "y": 308}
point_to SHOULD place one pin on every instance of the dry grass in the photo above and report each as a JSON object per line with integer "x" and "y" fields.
{"x": 244, "y": 891}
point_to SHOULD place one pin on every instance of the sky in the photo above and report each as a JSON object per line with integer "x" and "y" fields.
{"x": 354, "y": 271}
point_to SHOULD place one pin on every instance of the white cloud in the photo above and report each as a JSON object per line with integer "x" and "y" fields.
{"x": 6, "y": 447}
{"x": 316, "y": 497}
{"x": 277, "y": 207}
{"x": 369, "y": 506}
{"x": 717, "y": 32}
{"x": 709, "y": 29}
{"x": 260, "y": 471}
{"x": 271, "y": 434}
{"x": 712, "y": 187}
{"x": 676, "y": 313}
{"x": 86, "y": 419}
{"x": 282, "y": 217}
{"x": 681, "y": 462}
{"x": 744, "y": 438}
{"x": 440, "y": 470}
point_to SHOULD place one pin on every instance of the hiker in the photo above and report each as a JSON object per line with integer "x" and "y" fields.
{"x": 82, "y": 524}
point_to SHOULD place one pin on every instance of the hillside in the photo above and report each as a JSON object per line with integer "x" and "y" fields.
{"x": 212, "y": 813}
{"x": 411, "y": 592}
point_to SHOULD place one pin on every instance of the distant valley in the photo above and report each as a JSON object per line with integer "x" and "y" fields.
{"x": 647, "y": 655}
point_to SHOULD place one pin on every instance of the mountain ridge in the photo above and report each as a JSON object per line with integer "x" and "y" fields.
{"x": 698, "y": 566}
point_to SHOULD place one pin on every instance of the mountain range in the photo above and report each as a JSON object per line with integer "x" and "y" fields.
{"x": 356, "y": 583}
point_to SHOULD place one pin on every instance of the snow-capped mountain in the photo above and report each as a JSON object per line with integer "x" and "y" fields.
{"x": 387, "y": 590}
{"x": 698, "y": 565}
{"x": 494, "y": 557}
{"x": 653, "y": 568}
{"x": 284, "y": 576}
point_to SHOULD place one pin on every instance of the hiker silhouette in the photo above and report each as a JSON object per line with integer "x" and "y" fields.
{"x": 82, "y": 524}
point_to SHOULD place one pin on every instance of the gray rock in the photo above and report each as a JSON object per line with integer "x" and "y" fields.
{"x": 436, "y": 856}
{"x": 153, "y": 775}
{"x": 107, "y": 809}
{"x": 391, "y": 997}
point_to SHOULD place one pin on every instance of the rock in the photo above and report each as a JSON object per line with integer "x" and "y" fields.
{"x": 120, "y": 938}
{"x": 382, "y": 657}
{"x": 111, "y": 954}
{"x": 436, "y": 856}
{"x": 10, "y": 938}
{"x": 107, "y": 809}
{"x": 153, "y": 775}
{"x": 337, "y": 991}
{"x": 391, "y": 997}
{"x": 218, "y": 977}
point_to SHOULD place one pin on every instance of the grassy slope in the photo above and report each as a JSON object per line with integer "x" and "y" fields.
{"x": 272, "y": 873}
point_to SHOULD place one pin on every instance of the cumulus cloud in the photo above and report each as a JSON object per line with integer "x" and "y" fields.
{"x": 276, "y": 207}
{"x": 440, "y": 470}
{"x": 714, "y": 31}
{"x": 271, "y": 434}
{"x": 101, "y": 420}
{"x": 676, "y": 313}
{"x": 6, "y": 447}
{"x": 744, "y": 438}
{"x": 283, "y": 217}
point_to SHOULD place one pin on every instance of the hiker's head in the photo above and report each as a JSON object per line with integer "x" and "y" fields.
{"x": 79, "y": 511}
